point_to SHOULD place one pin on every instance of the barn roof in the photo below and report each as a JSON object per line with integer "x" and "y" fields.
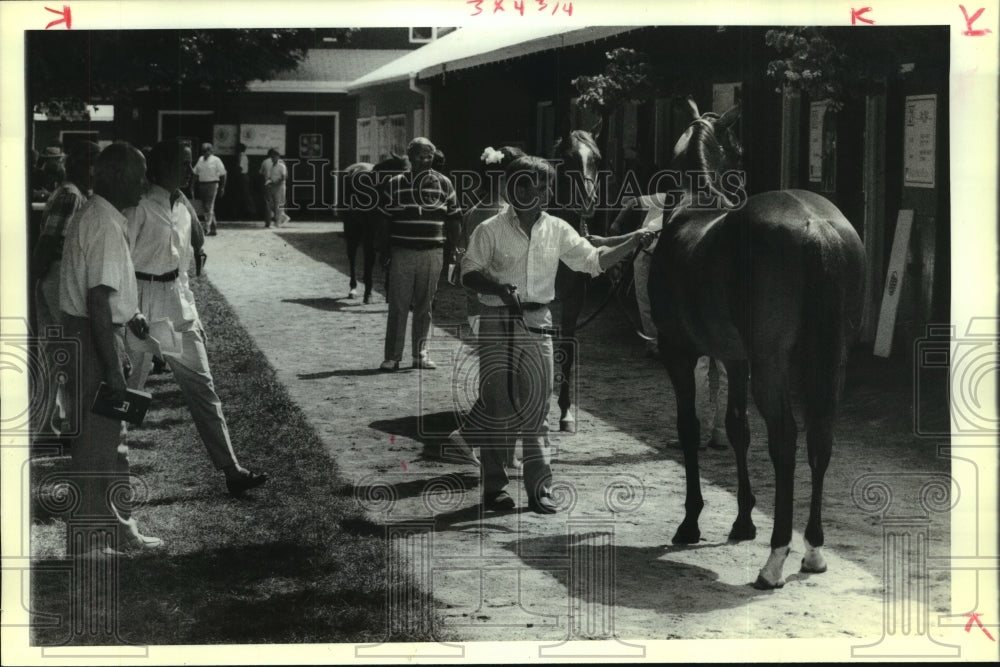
{"x": 328, "y": 70}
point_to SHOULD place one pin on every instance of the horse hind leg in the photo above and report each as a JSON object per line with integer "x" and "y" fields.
{"x": 350, "y": 238}
{"x": 572, "y": 306}
{"x": 680, "y": 367}
{"x": 368, "y": 248}
{"x": 738, "y": 431}
{"x": 770, "y": 389}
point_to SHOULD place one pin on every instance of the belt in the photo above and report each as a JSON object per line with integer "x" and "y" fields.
{"x": 163, "y": 278}
{"x": 206, "y": 182}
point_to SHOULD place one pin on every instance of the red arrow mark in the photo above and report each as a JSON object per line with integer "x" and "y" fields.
{"x": 969, "y": 30}
{"x": 67, "y": 17}
{"x": 856, "y": 15}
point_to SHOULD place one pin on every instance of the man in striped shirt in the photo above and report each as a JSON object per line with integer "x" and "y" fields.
{"x": 419, "y": 212}
{"x": 511, "y": 262}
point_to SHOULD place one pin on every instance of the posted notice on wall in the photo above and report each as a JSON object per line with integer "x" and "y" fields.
{"x": 259, "y": 139}
{"x": 919, "y": 141}
{"x": 224, "y": 139}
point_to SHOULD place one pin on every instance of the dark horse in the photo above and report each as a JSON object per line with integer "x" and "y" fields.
{"x": 576, "y": 158}
{"x": 772, "y": 288}
{"x": 362, "y": 183}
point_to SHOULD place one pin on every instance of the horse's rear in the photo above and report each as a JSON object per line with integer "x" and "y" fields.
{"x": 773, "y": 288}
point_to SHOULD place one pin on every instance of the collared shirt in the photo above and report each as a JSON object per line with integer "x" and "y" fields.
{"x": 209, "y": 169}
{"x": 419, "y": 206}
{"x": 501, "y": 251}
{"x": 96, "y": 253}
{"x": 159, "y": 236}
{"x": 273, "y": 171}
{"x": 64, "y": 202}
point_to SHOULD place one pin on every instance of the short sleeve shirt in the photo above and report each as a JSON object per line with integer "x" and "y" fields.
{"x": 96, "y": 253}
{"x": 500, "y": 250}
{"x": 210, "y": 169}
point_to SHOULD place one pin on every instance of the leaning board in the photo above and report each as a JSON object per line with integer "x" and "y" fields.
{"x": 893, "y": 283}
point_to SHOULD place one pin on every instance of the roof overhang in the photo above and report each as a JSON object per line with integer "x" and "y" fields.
{"x": 291, "y": 86}
{"x": 471, "y": 47}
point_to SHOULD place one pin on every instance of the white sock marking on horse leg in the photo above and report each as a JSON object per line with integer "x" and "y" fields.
{"x": 771, "y": 572}
{"x": 813, "y": 561}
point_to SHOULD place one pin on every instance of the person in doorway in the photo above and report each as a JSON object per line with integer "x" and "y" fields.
{"x": 244, "y": 204}
{"x": 159, "y": 231}
{"x": 211, "y": 175}
{"x": 511, "y": 262}
{"x": 275, "y": 174}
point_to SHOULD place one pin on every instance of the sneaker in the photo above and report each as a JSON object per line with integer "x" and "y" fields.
{"x": 389, "y": 365}
{"x": 464, "y": 452}
{"x": 499, "y": 501}
{"x": 424, "y": 363}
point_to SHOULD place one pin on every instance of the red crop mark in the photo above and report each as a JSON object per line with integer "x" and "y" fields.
{"x": 856, "y": 15}
{"x": 969, "y": 20}
{"x": 498, "y": 6}
{"x": 392, "y": 439}
{"x": 974, "y": 618}
{"x": 67, "y": 17}
{"x": 478, "y": 4}
{"x": 403, "y": 463}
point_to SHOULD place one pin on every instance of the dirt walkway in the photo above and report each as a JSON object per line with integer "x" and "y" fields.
{"x": 602, "y": 567}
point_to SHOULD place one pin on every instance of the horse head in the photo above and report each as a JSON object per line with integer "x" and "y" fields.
{"x": 709, "y": 144}
{"x": 577, "y": 160}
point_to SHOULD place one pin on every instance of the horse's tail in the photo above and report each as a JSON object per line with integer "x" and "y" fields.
{"x": 830, "y": 318}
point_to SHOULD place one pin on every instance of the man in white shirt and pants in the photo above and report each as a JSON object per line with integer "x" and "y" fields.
{"x": 511, "y": 262}
{"x": 159, "y": 231}
{"x": 211, "y": 183}
{"x": 98, "y": 298}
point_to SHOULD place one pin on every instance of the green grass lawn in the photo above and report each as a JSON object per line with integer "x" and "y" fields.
{"x": 286, "y": 564}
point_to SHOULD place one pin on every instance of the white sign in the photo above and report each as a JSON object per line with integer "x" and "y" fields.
{"x": 259, "y": 139}
{"x": 919, "y": 141}
{"x": 725, "y": 96}
{"x": 224, "y": 138}
{"x": 816, "y": 112}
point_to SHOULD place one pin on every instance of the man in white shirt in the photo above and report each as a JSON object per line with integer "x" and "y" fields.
{"x": 275, "y": 173}
{"x": 211, "y": 183}
{"x": 511, "y": 262}
{"x": 98, "y": 298}
{"x": 159, "y": 231}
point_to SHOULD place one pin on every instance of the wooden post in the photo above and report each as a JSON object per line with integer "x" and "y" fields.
{"x": 893, "y": 283}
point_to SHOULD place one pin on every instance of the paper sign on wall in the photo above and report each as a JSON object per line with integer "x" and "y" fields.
{"x": 259, "y": 139}
{"x": 224, "y": 138}
{"x": 919, "y": 141}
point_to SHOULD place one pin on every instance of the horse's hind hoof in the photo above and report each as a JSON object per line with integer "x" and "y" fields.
{"x": 763, "y": 584}
{"x": 567, "y": 425}
{"x": 742, "y": 532}
{"x": 353, "y": 294}
{"x": 685, "y": 535}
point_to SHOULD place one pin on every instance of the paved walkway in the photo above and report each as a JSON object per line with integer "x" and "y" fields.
{"x": 604, "y": 566}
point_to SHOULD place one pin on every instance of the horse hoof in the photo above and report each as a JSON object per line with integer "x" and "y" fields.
{"x": 353, "y": 294}
{"x": 686, "y": 536}
{"x": 763, "y": 584}
{"x": 567, "y": 425}
{"x": 368, "y": 298}
{"x": 742, "y": 532}
{"x": 813, "y": 569}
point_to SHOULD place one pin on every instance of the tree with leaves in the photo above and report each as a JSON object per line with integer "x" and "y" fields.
{"x": 67, "y": 70}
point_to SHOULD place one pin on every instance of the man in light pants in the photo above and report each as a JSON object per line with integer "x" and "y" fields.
{"x": 159, "y": 231}
{"x": 211, "y": 183}
{"x": 709, "y": 374}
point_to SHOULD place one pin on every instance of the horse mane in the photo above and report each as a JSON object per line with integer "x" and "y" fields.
{"x": 704, "y": 152}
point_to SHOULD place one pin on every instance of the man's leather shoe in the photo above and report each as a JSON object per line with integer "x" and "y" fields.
{"x": 498, "y": 501}
{"x": 389, "y": 365}
{"x": 542, "y": 505}
{"x": 132, "y": 540}
{"x": 250, "y": 480}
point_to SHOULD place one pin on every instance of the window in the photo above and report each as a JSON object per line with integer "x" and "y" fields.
{"x": 380, "y": 136}
{"x": 422, "y": 35}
